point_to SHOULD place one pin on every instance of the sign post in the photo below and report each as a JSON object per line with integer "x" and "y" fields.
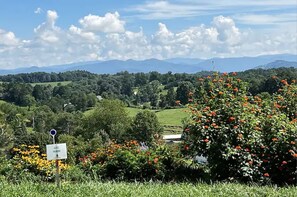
{"x": 56, "y": 152}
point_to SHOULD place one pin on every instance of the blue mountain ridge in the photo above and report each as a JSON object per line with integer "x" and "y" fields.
{"x": 175, "y": 65}
{"x": 278, "y": 63}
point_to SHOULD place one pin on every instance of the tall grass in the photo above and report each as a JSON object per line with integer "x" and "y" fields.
{"x": 141, "y": 189}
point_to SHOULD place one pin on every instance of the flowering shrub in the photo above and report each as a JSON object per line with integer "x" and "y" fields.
{"x": 286, "y": 99}
{"x": 28, "y": 158}
{"x": 130, "y": 161}
{"x": 244, "y": 137}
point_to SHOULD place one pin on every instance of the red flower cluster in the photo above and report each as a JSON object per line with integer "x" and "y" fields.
{"x": 231, "y": 119}
{"x": 266, "y": 174}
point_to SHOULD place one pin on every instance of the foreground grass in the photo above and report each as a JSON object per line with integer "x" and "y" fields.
{"x": 141, "y": 189}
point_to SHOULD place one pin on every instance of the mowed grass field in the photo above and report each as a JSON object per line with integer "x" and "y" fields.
{"x": 1, "y": 101}
{"x": 172, "y": 117}
{"x": 52, "y": 83}
{"x": 28, "y": 189}
{"x": 169, "y": 117}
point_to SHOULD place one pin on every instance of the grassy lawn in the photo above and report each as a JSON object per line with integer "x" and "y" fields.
{"x": 141, "y": 189}
{"x": 88, "y": 112}
{"x": 52, "y": 83}
{"x": 172, "y": 117}
{"x": 1, "y": 101}
{"x": 168, "y": 117}
{"x": 132, "y": 111}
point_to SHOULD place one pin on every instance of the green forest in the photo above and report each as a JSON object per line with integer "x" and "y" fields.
{"x": 243, "y": 123}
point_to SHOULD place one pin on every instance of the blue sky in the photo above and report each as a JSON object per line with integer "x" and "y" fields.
{"x": 49, "y": 32}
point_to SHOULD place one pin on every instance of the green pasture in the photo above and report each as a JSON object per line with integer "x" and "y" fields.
{"x": 167, "y": 117}
{"x": 172, "y": 117}
{"x": 132, "y": 111}
{"x": 63, "y": 83}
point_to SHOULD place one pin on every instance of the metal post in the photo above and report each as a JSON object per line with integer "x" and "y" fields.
{"x": 57, "y": 177}
{"x": 213, "y": 65}
{"x": 57, "y": 173}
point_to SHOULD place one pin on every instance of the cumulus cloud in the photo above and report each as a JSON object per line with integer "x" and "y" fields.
{"x": 220, "y": 37}
{"x": 127, "y": 45}
{"x": 52, "y": 16}
{"x": 48, "y": 31}
{"x": 163, "y": 35}
{"x": 89, "y": 36}
{"x": 110, "y": 23}
{"x": 227, "y": 31}
{"x": 8, "y": 38}
{"x": 103, "y": 38}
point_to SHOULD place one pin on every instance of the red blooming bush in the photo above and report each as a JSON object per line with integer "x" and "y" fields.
{"x": 243, "y": 137}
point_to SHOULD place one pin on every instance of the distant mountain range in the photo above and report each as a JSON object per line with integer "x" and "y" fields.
{"x": 175, "y": 65}
{"x": 278, "y": 63}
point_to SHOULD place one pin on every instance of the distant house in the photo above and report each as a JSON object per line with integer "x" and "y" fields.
{"x": 172, "y": 138}
{"x": 99, "y": 97}
{"x": 177, "y": 139}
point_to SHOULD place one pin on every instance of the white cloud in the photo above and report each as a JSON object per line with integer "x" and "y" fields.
{"x": 38, "y": 11}
{"x": 52, "y": 16}
{"x": 227, "y": 30}
{"x": 221, "y": 37}
{"x": 265, "y": 19}
{"x": 8, "y": 38}
{"x": 257, "y": 3}
{"x": 47, "y": 31}
{"x": 110, "y": 23}
{"x": 90, "y": 36}
{"x": 127, "y": 45}
{"x": 165, "y": 9}
{"x": 163, "y": 35}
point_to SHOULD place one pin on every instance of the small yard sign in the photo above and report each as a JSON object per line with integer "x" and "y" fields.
{"x": 56, "y": 151}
